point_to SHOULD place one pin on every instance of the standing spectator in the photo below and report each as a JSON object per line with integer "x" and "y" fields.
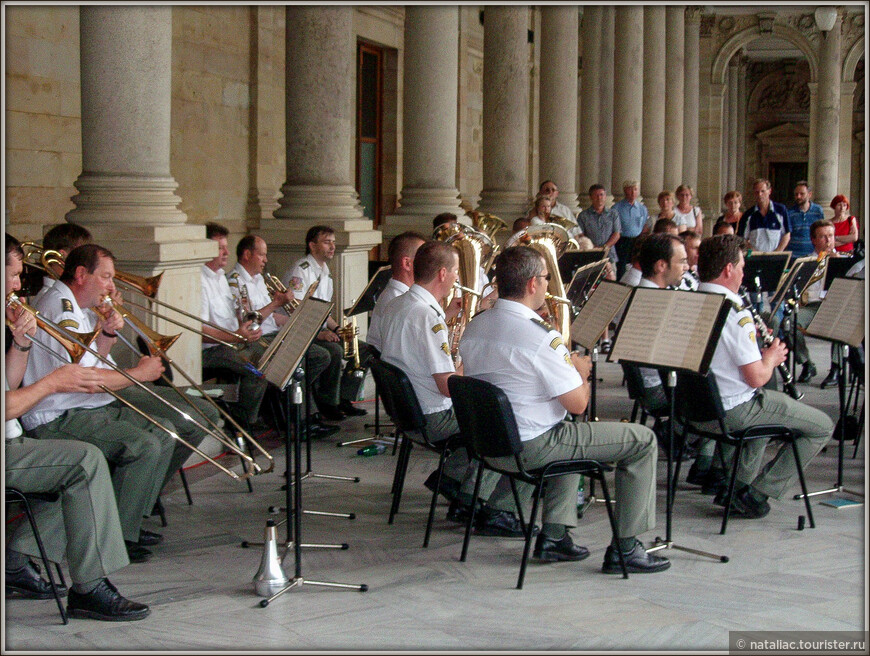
{"x": 765, "y": 225}
{"x": 804, "y": 213}
{"x": 845, "y": 225}
{"x": 688, "y": 216}
{"x": 549, "y": 188}
{"x": 633, "y": 221}
{"x": 666, "y": 204}
{"x": 600, "y": 225}
{"x": 732, "y": 200}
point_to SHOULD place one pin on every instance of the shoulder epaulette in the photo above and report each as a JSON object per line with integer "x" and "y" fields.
{"x": 66, "y": 305}
{"x": 304, "y": 265}
{"x": 543, "y": 324}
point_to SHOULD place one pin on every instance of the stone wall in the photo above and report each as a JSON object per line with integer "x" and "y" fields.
{"x": 43, "y": 116}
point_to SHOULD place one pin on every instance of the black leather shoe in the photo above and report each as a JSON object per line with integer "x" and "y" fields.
{"x": 351, "y": 410}
{"x": 832, "y": 378}
{"x": 28, "y": 583}
{"x": 136, "y": 553}
{"x": 105, "y": 603}
{"x": 637, "y": 561}
{"x": 331, "y": 412}
{"x": 149, "y": 538}
{"x": 807, "y": 372}
{"x": 745, "y": 505}
{"x": 499, "y": 523}
{"x": 714, "y": 483}
{"x": 318, "y": 431}
{"x": 550, "y": 550}
{"x": 458, "y": 512}
{"x": 449, "y": 487}
{"x": 696, "y": 475}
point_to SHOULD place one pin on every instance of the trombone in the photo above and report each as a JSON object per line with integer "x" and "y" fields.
{"x": 76, "y": 345}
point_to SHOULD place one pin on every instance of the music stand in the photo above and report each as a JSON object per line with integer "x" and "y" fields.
{"x": 379, "y": 278}
{"x": 840, "y": 320}
{"x": 790, "y": 289}
{"x": 762, "y": 272}
{"x": 583, "y": 282}
{"x": 570, "y": 261}
{"x": 837, "y": 267}
{"x": 282, "y": 369}
{"x": 648, "y": 336}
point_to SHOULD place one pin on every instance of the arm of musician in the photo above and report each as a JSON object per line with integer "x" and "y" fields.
{"x": 453, "y": 309}
{"x": 111, "y": 325}
{"x": 147, "y": 369}
{"x": 279, "y": 299}
{"x": 23, "y": 326}
{"x": 756, "y": 374}
{"x": 213, "y": 334}
{"x": 441, "y": 380}
{"x": 783, "y": 242}
{"x": 69, "y": 378}
{"x": 326, "y": 335}
{"x": 577, "y": 399}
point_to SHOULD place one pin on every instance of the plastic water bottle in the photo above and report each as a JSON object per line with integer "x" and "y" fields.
{"x": 372, "y": 450}
{"x": 581, "y": 493}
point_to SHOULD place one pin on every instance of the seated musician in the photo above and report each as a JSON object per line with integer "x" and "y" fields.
{"x": 246, "y": 281}
{"x": 414, "y": 339}
{"x": 218, "y": 307}
{"x": 141, "y": 452}
{"x": 83, "y": 524}
{"x": 335, "y": 399}
{"x": 401, "y": 253}
{"x": 741, "y": 370}
{"x": 692, "y": 241}
{"x": 61, "y": 238}
{"x": 509, "y": 346}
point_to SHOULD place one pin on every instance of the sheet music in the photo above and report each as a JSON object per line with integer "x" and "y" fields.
{"x": 667, "y": 328}
{"x": 306, "y": 322}
{"x": 598, "y": 312}
{"x": 840, "y": 317}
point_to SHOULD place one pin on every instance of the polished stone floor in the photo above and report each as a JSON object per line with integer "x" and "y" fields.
{"x": 202, "y": 598}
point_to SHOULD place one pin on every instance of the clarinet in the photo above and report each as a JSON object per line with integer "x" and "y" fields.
{"x": 767, "y": 339}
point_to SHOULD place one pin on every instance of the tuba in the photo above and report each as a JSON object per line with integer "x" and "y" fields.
{"x": 490, "y": 225}
{"x": 551, "y": 241}
{"x": 473, "y": 247}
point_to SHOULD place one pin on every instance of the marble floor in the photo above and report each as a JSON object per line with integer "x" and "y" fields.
{"x": 199, "y": 584}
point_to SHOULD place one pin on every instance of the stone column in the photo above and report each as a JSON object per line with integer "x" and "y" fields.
{"x": 558, "y": 92}
{"x": 726, "y": 136}
{"x": 505, "y": 111}
{"x": 605, "y": 159}
{"x": 321, "y": 119}
{"x": 430, "y": 119}
{"x": 740, "y": 137}
{"x": 628, "y": 96}
{"x": 828, "y": 116}
{"x": 655, "y": 143}
{"x": 847, "y": 182}
{"x": 126, "y": 191}
{"x": 733, "y": 146}
{"x": 691, "y": 98}
{"x": 591, "y": 142}
{"x": 675, "y": 78}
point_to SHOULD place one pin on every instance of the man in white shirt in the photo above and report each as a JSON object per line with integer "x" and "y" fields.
{"x": 140, "y": 451}
{"x": 414, "y": 339}
{"x": 337, "y": 391}
{"x": 401, "y": 253}
{"x": 510, "y": 347}
{"x": 549, "y": 189}
{"x": 218, "y": 307}
{"x": 741, "y": 370}
{"x": 61, "y": 238}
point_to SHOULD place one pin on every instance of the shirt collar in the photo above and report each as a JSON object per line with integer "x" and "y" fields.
{"x": 426, "y": 296}
{"x": 649, "y": 284}
{"x": 719, "y": 289}
{"x": 212, "y": 274}
{"x": 244, "y": 275}
{"x": 515, "y": 307}
{"x": 324, "y": 270}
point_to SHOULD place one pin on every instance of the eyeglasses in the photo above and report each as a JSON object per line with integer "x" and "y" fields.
{"x": 545, "y": 277}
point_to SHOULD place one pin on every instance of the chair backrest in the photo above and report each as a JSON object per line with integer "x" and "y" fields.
{"x": 697, "y": 398}
{"x": 633, "y": 380}
{"x": 485, "y": 417}
{"x": 398, "y": 396}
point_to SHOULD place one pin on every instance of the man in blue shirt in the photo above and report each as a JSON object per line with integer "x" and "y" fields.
{"x": 766, "y": 225}
{"x": 633, "y": 221}
{"x": 802, "y": 216}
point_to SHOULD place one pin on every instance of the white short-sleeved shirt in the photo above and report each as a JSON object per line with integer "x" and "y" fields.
{"x": 60, "y": 306}
{"x": 218, "y": 304}
{"x": 737, "y": 347}
{"x": 47, "y": 283}
{"x": 258, "y": 294}
{"x": 12, "y": 429}
{"x": 631, "y": 277}
{"x": 560, "y": 209}
{"x": 414, "y": 339}
{"x": 576, "y": 231}
{"x": 688, "y": 219}
{"x": 303, "y": 273}
{"x": 512, "y": 348}
{"x": 394, "y": 289}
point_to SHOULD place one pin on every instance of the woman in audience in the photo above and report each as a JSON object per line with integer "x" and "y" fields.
{"x": 845, "y": 225}
{"x": 732, "y": 200}
{"x": 687, "y": 216}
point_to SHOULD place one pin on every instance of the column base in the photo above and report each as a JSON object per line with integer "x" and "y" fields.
{"x": 321, "y": 203}
{"x": 419, "y": 207}
{"x": 506, "y": 205}
{"x": 125, "y": 199}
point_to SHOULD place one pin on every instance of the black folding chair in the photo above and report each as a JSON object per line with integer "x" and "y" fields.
{"x": 486, "y": 420}
{"x": 14, "y": 495}
{"x": 698, "y": 401}
{"x": 402, "y": 406}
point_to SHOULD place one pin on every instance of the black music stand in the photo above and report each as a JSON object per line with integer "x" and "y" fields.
{"x": 840, "y": 320}
{"x": 281, "y": 368}
{"x": 647, "y": 336}
{"x": 762, "y": 272}
{"x": 570, "y": 261}
{"x": 379, "y": 278}
{"x": 789, "y": 292}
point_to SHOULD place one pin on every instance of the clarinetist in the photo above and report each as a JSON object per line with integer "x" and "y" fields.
{"x": 741, "y": 370}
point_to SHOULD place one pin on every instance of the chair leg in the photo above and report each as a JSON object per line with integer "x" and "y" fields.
{"x": 45, "y": 561}
{"x": 161, "y": 511}
{"x": 732, "y": 481}
{"x": 186, "y": 486}
{"x": 441, "y": 459}
{"x": 634, "y": 410}
{"x": 527, "y": 547}
{"x": 518, "y": 504}
{"x": 612, "y": 518}
{"x": 803, "y": 481}
{"x": 470, "y": 520}
{"x": 399, "y": 477}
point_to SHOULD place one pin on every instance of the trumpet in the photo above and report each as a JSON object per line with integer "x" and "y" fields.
{"x": 349, "y": 334}
{"x": 76, "y": 345}
{"x": 244, "y": 310}
{"x": 275, "y": 286}
{"x": 157, "y": 347}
